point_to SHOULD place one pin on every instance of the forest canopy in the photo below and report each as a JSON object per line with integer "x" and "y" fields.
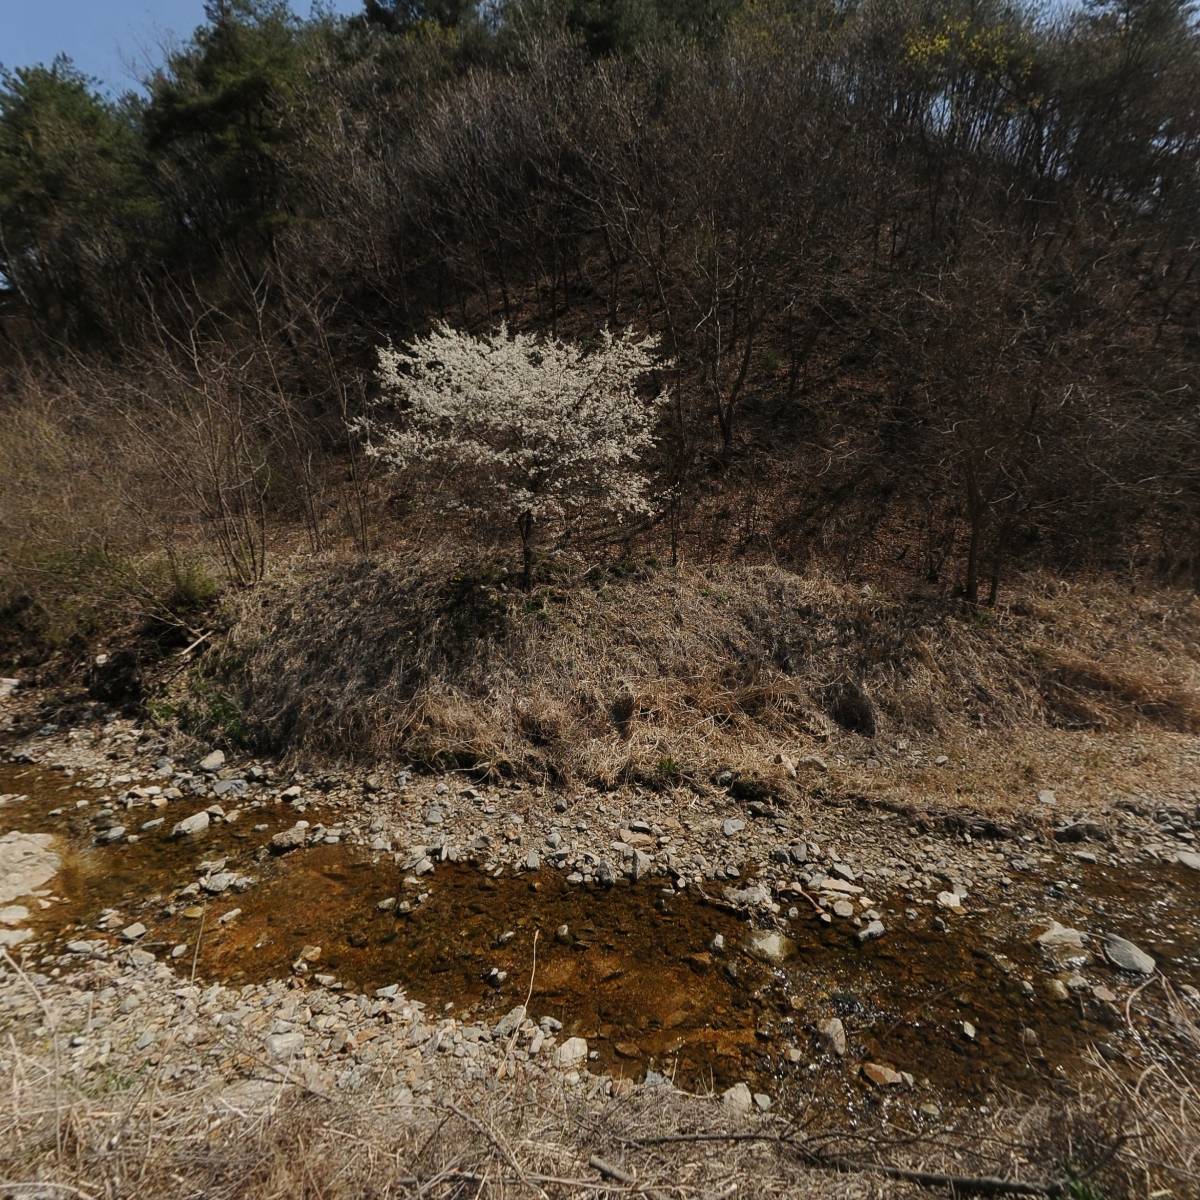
{"x": 923, "y": 272}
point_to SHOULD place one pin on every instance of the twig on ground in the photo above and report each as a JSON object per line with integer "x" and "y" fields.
{"x": 960, "y": 1185}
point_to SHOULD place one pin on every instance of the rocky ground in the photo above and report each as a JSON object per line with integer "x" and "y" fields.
{"x": 107, "y": 998}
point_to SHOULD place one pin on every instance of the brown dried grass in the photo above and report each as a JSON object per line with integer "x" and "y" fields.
{"x": 657, "y": 675}
{"x": 1131, "y": 1131}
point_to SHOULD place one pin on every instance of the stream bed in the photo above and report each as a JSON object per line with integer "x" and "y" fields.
{"x": 656, "y": 979}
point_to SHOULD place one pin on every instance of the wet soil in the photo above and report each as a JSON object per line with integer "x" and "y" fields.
{"x": 131, "y": 876}
{"x": 635, "y": 971}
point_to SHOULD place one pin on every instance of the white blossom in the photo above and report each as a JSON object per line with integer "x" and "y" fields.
{"x": 542, "y": 430}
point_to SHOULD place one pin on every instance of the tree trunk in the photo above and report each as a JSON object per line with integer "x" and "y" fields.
{"x": 998, "y": 561}
{"x": 975, "y": 517}
{"x": 526, "y": 528}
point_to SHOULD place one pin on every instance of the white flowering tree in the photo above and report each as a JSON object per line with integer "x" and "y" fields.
{"x": 539, "y": 431}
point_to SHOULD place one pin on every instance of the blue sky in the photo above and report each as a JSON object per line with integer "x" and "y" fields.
{"x": 114, "y": 40}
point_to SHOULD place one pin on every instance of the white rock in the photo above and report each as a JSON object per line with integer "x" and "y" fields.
{"x": 510, "y": 1022}
{"x": 196, "y": 823}
{"x": 213, "y": 762}
{"x": 739, "y": 1098}
{"x": 1059, "y": 935}
{"x": 572, "y": 1053}
{"x": 770, "y": 946}
{"x": 27, "y": 861}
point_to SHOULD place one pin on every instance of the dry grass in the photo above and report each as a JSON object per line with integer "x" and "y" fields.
{"x": 657, "y": 676}
{"x": 1134, "y": 1131}
{"x": 1158, "y": 1090}
{"x": 1002, "y": 771}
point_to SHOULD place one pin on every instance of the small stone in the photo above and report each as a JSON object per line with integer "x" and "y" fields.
{"x": 882, "y": 1076}
{"x": 770, "y": 946}
{"x": 510, "y": 1022}
{"x": 869, "y": 932}
{"x": 1125, "y": 955}
{"x": 641, "y": 865}
{"x": 762, "y": 1101}
{"x": 213, "y": 762}
{"x": 950, "y": 900}
{"x": 196, "y": 823}
{"x": 739, "y": 1098}
{"x": 131, "y": 933}
{"x": 290, "y": 839}
{"x": 1080, "y": 831}
{"x": 833, "y": 1034}
{"x": 282, "y": 1046}
{"x": 968, "y": 1030}
{"x": 1046, "y": 796}
{"x": 1189, "y": 859}
{"x": 732, "y": 826}
{"x": 1060, "y": 937}
{"x": 572, "y": 1053}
